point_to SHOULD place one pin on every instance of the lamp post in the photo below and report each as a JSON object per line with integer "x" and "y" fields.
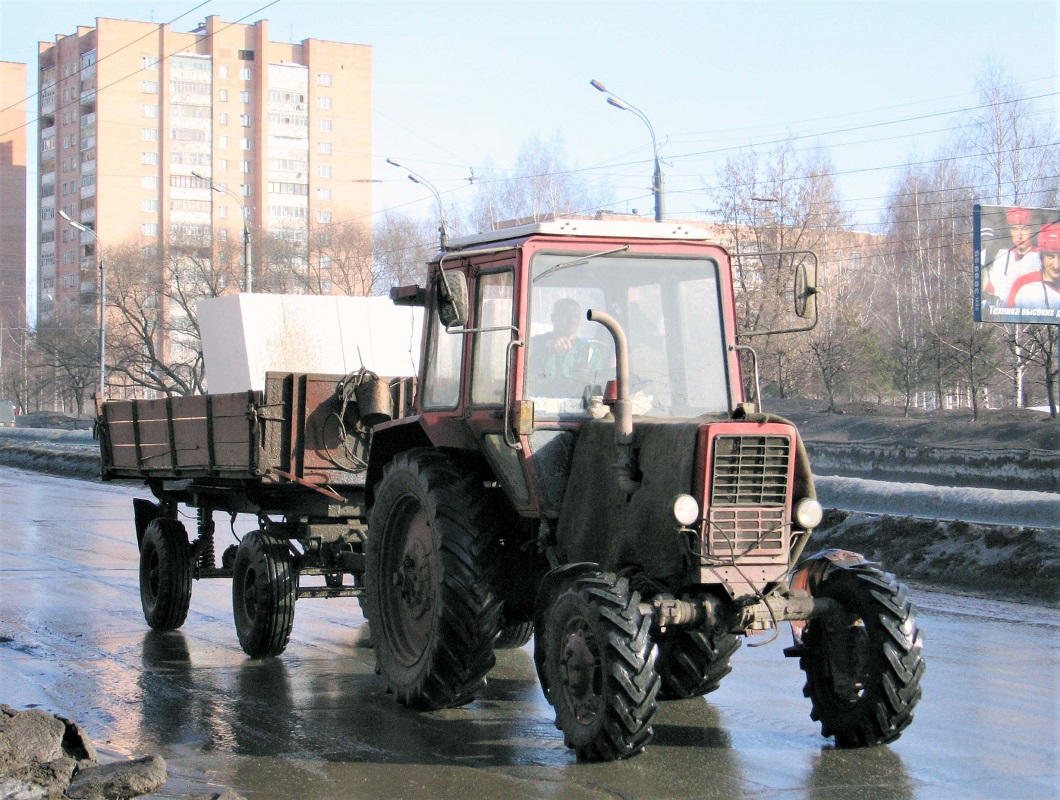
{"x": 102, "y": 304}
{"x": 417, "y": 178}
{"x": 248, "y": 275}
{"x": 657, "y": 178}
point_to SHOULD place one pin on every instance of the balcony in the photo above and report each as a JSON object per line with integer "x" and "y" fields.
{"x": 88, "y": 97}
{"x": 88, "y": 215}
{"x": 88, "y": 143}
{"x": 47, "y": 104}
{"x": 88, "y": 167}
{"x": 88, "y": 287}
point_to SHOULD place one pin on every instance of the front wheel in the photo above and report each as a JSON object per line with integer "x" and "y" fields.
{"x": 600, "y": 664}
{"x": 264, "y": 590}
{"x": 863, "y": 670}
{"x": 165, "y": 574}
{"x": 692, "y": 662}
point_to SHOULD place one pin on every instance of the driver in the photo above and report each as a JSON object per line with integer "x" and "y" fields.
{"x": 560, "y": 360}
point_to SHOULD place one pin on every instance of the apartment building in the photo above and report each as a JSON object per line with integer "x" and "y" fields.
{"x": 12, "y": 216}
{"x": 150, "y": 136}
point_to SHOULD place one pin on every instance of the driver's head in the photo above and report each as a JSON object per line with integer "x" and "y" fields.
{"x": 566, "y": 316}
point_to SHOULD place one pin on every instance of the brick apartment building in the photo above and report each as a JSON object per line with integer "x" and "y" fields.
{"x": 130, "y": 110}
{"x": 12, "y": 216}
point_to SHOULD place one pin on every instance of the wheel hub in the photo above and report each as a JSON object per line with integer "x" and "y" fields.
{"x": 413, "y": 581}
{"x": 580, "y": 671}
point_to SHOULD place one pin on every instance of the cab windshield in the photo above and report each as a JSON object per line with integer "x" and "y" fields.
{"x": 670, "y": 310}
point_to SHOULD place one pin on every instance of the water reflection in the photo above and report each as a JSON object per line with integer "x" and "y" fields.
{"x": 873, "y": 773}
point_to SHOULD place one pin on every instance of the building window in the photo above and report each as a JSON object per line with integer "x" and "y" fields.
{"x": 149, "y": 228}
{"x": 324, "y": 125}
{"x": 246, "y": 190}
{"x": 149, "y": 182}
{"x": 149, "y": 110}
{"x": 222, "y": 141}
{"x": 324, "y": 147}
{"x": 324, "y": 102}
{"x": 222, "y": 165}
{"x": 222, "y": 212}
{"x": 244, "y": 120}
{"x": 324, "y": 217}
{"x": 244, "y": 167}
{"x": 323, "y": 79}
{"x": 149, "y": 134}
{"x": 148, "y": 62}
{"x": 324, "y": 171}
{"x": 246, "y": 55}
{"x": 149, "y": 87}
{"x": 244, "y": 74}
{"x": 244, "y": 96}
{"x": 244, "y": 144}
{"x": 222, "y": 118}
{"x": 222, "y": 95}
{"x": 223, "y": 72}
{"x": 149, "y": 204}
{"x": 323, "y": 194}
{"x": 149, "y": 158}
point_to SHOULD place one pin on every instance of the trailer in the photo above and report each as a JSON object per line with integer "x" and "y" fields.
{"x": 293, "y": 456}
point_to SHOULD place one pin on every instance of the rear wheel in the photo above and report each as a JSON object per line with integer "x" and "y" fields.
{"x": 264, "y": 590}
{"x": 165, "y": 574}
{"x": 429, "y": 595}
{"x": 863, "y": 670}
{"x": 514, "y": 635}
{"x": 600, "y": 662}
{"x": 693, "y": 662}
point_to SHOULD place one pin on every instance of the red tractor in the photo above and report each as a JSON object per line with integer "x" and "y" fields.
{"x": 581, "y": 466}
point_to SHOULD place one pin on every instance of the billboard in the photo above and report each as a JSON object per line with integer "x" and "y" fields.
{"x": 1017, "y": 264}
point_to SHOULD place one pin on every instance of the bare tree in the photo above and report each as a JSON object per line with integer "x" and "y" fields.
{"x": 403, "y": 246}
{"x": 68, "y": 348}
{"x": 542, "y": 185}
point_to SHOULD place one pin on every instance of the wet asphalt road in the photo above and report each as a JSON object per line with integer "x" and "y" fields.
{"x": 317, "y": 723}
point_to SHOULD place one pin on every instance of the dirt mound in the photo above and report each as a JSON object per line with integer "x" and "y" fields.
{"x": 879, "y": 424}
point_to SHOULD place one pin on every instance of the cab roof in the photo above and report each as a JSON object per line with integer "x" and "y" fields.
{"x": 607, "y": 229}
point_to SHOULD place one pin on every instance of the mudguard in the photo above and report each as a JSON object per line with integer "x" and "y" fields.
{"x": 811, "y": 572}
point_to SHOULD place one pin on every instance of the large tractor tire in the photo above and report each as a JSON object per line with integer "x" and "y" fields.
{"x": 430, "y": 596}
{"x": 863, "y": 671}
{"x": 165, "y": 574}
{"x": 264, "y": 590}
{"x": 692, "y": 662}
{"x": 600, "y": 661}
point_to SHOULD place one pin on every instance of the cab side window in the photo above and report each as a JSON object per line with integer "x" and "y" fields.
{"x": 445, "y": 360}
{"x": 494, "y": 304}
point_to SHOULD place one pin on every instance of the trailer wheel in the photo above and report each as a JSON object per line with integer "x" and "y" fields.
{"x": 863, "y": 672}
{"x": 692, "y": 662}
{"x": 264, "y": 589}
{"x": 165, "y": 574}
{"x": 429, "y": 582}
{"x": 514, "y": 635}
{"x": 600, "y": 662}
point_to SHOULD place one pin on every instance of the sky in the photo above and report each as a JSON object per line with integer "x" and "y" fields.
{"x": 460, "y": 87}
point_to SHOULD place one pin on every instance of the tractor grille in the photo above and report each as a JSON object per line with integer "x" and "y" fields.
{"x": 749, "y": 495}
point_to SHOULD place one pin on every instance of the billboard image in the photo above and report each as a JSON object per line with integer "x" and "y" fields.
{"x": 1017, "y": 264}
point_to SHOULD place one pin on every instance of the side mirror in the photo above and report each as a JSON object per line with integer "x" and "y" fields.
{"x": 409, "y": 295}
{"x": 805, "y": 293}
{"x": 452, "y": 298}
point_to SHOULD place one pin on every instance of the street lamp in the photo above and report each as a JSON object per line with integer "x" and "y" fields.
{"x": 102, "y": 304}
{"x": 417, "y": 178}
{"x": 657, "y": 178}
{"x": 248, "y": 275}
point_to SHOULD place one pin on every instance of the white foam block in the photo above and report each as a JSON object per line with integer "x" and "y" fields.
{"x": 246, "y": 335}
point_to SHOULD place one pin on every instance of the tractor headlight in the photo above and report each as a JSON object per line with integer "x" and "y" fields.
{"x": 686, "y": 509}
{"x": 808, "y": 513}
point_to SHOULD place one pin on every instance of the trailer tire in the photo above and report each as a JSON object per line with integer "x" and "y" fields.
{"x": 514, "y": 635}
{"x": 600, "y": 662}
{"x": 165, "y": 574}
{"x": 863, "y": 673}
{"x": 264, "y": 590}
{"x": 692, "y": 662}
{"x": 430, "y": 595}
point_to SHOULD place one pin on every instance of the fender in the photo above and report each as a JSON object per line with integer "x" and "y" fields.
{"x": 547, "y": 591}
{"x": 144, "y": 511}
{"x": 811, "y": 572}
{"x": 388, "y": 440}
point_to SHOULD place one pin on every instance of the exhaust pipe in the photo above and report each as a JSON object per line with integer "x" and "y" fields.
{"x": 621, "y": 408}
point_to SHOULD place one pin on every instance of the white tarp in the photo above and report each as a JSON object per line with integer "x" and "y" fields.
{"x": 246, "y": 335}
